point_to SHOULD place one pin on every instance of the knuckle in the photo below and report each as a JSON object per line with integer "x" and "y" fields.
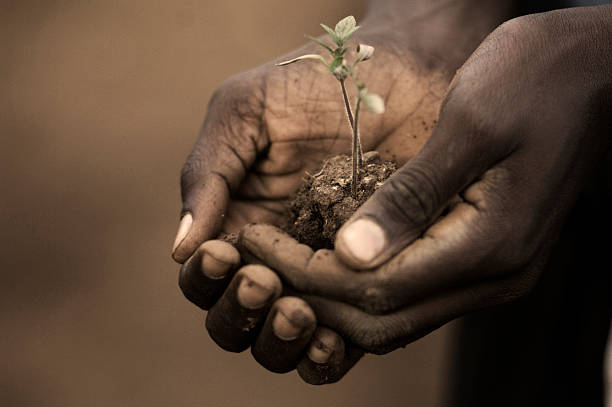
{"x": 375, "y": 298}
{"x": 382, "y": 334}
{"x": 371, "y": 336}
{"x": 242, "y": 95}
{"x": 412, "y": 196}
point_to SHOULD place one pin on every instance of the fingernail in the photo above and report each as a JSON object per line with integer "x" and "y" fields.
{"x": 318, "y": 352}
{"x": 214, "y": 268}
{"x": 252, "y": 295}
{"x": 284, "y": 329}
{"x": 183, "y": 229}
{"x": 364, "y": 239}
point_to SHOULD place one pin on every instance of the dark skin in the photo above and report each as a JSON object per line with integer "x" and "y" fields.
{"x": 467, "y": 223}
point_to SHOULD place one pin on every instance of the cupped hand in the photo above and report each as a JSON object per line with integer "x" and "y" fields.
{"x": 263, "y": 130}
{"x": 469, "y": 222}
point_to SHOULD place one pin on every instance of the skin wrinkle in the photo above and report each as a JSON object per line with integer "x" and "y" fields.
{"x": 262, "y": 173}
{"x": 233, "y": 150}
{"x": 266, "y": 205}
{"x": 269, "y": 186}
{"x": 263, "y": 127}
{"x": 244, "y": 133}
{"x": 432, "y": 194}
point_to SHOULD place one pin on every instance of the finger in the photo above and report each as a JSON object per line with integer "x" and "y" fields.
{"x": 414, "y": 197}
{"x": 285, "y": 335}
{"x": 206, "y": 274}
{"x": 306, "y": 271}
{"x": 234, "y": 320}
{"x": 328, "y": 358}
{"x": 381, "y": 334}
{"x": 321, "y": 272}
{"x": 226, "y": 149}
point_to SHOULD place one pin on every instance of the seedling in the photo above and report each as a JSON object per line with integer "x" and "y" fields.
{"x": 342, "y": 69}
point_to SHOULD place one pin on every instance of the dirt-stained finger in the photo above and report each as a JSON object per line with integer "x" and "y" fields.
{"x": 328, "y": 358}
{"x": 320, "y": 273}
{"x": 285, "y": 336}
{"x": 234, "y": 320}
{"x": 205, "y": 275}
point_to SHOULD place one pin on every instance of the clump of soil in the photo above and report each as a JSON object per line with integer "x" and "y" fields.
{"x": 324, "y": 202}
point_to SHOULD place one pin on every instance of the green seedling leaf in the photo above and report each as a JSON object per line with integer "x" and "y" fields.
{"x": 345, "y": 28}
{"x": 333, "y": 35}
{"x": 321, "y": 43}
{"x": 374, "y": 103}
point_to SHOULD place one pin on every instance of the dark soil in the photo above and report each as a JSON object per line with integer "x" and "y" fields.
{"x": 324, "y": 202}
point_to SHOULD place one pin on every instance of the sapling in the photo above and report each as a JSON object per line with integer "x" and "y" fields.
{"x": 342, "y": 69}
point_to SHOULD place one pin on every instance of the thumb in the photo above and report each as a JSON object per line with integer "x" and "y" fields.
{"x": 226, "y": 149}
{"x": 402, "y": 209}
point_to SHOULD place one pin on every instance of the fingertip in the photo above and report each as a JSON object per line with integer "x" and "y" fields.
{"x": 285, "y": 335}
{"x": 325, "y": 346}
{"x": 259, "y": 285}
{"x": 328, "y": 358}
{"x": 218, "y": 258}
{"x": 234, "y": 321}
{"x": 204, "y": 276}
{"x": 185, "y": 225}
{"x": 204, "y": 208}
{"x": 361, "y": 243}
{"x": 293, "y": 319}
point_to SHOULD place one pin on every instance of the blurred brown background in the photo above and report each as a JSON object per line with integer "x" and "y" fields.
{"x": 100, "y": 104}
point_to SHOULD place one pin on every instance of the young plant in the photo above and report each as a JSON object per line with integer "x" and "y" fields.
{"x": 342, "y": 69}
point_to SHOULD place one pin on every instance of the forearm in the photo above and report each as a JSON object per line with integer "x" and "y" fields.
{"x": 446, "y": 29}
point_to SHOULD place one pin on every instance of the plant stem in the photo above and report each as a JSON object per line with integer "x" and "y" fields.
{"x": 349, "y": 114}
{"x": 356, "y": 157}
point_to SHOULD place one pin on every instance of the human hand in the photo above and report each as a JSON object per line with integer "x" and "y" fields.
{"x": 262, "y": 130}
{"x": 469, "y": 222}
{"x": 257, "y": 140}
